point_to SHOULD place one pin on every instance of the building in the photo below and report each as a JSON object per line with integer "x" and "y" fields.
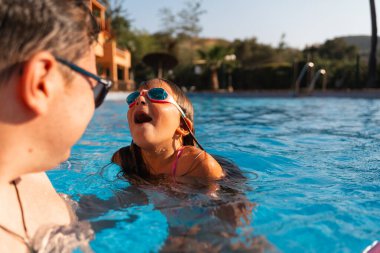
{"x": 112, "y": 62}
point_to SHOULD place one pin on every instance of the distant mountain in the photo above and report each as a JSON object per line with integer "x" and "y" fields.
{"x": 362, "y": 42}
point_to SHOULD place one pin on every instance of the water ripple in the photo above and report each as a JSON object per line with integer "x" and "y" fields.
{"x": 312, "y": 165}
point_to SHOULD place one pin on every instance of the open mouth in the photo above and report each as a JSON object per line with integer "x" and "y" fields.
{"x": 142, "y": 117}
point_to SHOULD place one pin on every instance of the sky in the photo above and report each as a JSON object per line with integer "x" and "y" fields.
{"x": 304, "y": 22}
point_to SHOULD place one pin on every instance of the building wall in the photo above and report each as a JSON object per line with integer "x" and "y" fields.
{"x": 112, "y": 62}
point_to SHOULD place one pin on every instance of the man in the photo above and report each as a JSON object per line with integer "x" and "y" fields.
{"x": 47, "y": 92}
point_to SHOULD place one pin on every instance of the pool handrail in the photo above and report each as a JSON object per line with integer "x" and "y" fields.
{"x": 320, "y": 72}
{"x": 308, "y": 65}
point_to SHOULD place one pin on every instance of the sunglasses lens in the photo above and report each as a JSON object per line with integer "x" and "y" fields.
{"x": 157, "y": 94}
{"x": 132, "y": 97}
{"x": 100, "y": 92}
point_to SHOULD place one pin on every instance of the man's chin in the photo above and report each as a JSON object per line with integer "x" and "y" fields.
{"x": 51, "y": 164}
{"x": 65, "y": 156}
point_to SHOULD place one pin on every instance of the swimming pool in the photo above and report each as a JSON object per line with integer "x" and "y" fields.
{"x": 315, "y": 186}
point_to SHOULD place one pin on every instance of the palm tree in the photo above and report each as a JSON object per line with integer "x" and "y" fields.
{"x": 372, "y": 57}
{"x": 214, "y": 58}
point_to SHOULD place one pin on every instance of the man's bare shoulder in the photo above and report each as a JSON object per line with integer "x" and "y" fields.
{"x": 36, "y": 191}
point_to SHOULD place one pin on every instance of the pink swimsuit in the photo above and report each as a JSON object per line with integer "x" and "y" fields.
{"x": 174, "y": 167}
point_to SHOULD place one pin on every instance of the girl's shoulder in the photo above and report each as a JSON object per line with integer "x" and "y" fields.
{"x": 198, "y": 163}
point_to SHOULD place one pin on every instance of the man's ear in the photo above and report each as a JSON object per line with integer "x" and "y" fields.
{"x": 182, "y": 129}
{"x": 35, "y": 79}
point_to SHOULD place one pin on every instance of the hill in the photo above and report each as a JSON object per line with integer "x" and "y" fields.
{"x": 363, "y": 42}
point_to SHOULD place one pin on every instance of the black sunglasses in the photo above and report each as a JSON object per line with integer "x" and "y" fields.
{"x": 102, "y": 85}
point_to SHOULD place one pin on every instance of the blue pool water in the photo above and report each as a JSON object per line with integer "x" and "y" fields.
{"x": 312, "y": 168}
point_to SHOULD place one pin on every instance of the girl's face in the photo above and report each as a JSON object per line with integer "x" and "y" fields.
{"x": 153, "y": 125}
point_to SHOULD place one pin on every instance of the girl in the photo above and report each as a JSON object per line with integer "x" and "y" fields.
{"x": 204, "y": 213}
{"x": 160, "y": 119}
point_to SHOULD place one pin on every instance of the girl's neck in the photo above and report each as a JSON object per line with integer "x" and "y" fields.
{"x": 159, "y": 160}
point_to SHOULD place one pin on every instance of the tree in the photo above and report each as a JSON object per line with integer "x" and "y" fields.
{"x": 168, "y": 22}
{"x": 120, "y": 23}
{"x": 282, "y": 44}
{"x": 372, "y": 56}
{"x": 214, "y": 58}
{"x": 252, "y": 54}
{"x": 114, "y": 9}
{"x": 184, "y": 25}
{"x": 189, "y": 19}
{"x": 337, "y": 49}
{"x": 166, "y": 36}
{"x": 121, "y": 30}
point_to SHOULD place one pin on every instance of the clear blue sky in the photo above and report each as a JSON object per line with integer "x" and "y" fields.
{"x": 304, "y": 22}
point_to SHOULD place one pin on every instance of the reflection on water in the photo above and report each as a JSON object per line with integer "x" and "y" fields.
{"x": 312, "y": 180}
{"x": 200, "y": 216}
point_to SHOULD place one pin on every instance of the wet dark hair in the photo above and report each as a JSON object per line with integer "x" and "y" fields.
{"x": 65, "y": 28}
{"x": 133, "y": 167}
{"x": 129, "y": 158}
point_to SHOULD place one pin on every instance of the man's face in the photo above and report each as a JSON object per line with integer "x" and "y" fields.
{"x": 71, "y": 109}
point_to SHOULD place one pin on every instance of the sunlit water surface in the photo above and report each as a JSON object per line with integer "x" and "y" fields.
{"x": 312, "y": 168}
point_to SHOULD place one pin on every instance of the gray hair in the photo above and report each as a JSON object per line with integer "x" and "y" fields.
{"x": 65, "y": 28}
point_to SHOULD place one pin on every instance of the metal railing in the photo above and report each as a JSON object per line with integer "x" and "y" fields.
{"x": 321, "y": 72}
{"x": 305, "y": 69}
